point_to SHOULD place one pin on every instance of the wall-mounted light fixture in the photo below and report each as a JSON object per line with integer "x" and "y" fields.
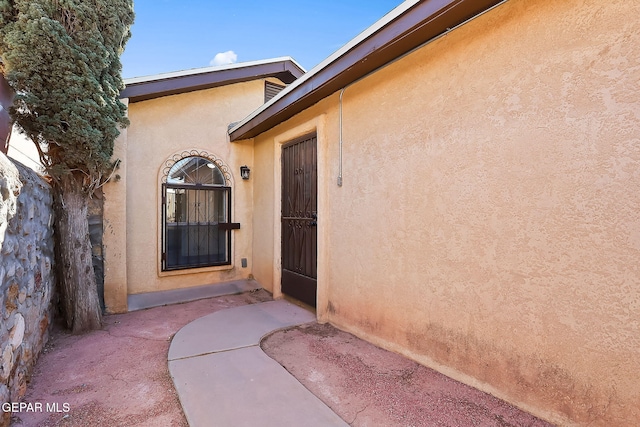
{"x": 245, "y": 172}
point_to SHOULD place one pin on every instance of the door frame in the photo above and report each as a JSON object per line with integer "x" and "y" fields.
{"x": 301, "y": 246}
{"x": 317, "y": 125}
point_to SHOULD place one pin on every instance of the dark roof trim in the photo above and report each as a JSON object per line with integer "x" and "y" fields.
{"x": 402, "y": 30}
{"x": 144, "y": 88}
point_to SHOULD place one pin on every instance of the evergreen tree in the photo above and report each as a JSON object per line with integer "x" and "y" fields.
{"x": 62, "y": 59}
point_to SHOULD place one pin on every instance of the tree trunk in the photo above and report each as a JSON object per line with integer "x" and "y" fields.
{"x": 76, "y": 279}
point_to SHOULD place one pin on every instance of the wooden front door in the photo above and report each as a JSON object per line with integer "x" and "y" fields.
{"x": 299, "y": 219}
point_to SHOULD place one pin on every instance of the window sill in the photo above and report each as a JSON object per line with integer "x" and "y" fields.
{"x": 197, "y": 270}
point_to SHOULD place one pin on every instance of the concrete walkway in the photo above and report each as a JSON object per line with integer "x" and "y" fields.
{"x": 223, "y": 378}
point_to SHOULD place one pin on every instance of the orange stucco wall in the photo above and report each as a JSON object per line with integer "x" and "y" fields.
{"x": 160, "y": 129}
{"x": 488, "y": 225}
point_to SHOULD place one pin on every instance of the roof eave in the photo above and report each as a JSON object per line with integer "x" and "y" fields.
{"x": 411, "y": 28}
{"x": 152, "y": 87}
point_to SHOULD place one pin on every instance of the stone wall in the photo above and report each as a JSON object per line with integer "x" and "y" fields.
{"x": 26, "y": 276}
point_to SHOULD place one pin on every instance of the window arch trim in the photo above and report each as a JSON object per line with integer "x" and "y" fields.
{"x": 169, "y": 163}
{"x": 193, "y": 240}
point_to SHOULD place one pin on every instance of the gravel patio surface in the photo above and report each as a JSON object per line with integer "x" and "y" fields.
{"x": 118, "y": 376}
{"x": 368, "y": 386}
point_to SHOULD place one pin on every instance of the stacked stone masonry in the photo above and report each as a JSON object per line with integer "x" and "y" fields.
{"x": 26, "y": 276}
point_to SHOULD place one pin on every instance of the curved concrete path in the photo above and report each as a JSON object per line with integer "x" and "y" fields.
{"x": 223, "y": 378}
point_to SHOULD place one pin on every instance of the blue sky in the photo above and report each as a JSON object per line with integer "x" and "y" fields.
{"x": 173, "y": 35}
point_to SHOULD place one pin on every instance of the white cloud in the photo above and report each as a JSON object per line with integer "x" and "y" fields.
{"x": 224, "y": 58}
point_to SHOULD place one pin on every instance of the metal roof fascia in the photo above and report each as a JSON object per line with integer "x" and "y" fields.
{"x": 202, "y": 70}
{"x": 144, "y": 88}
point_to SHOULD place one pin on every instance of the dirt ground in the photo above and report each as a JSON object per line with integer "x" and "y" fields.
{"x": 119, "y": 376}
{"x": 371, "y": 387}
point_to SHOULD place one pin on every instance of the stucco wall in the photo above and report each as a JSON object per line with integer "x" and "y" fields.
{"x": 26, "y": 276}
{"x": 489, "y": 224}
{"x": 159, "y": 130}
{"x": 114, "y": 231}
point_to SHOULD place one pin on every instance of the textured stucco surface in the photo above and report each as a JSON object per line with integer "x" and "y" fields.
{"x": 114, "y": 231}
{"x": 489, "y": 223}
{"x": 160, "y": 129}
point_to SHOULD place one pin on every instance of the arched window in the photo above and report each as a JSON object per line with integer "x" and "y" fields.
{"x": 196, "y": 210}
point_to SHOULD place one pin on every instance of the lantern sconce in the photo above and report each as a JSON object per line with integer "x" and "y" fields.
{"x": 245, "y": 172}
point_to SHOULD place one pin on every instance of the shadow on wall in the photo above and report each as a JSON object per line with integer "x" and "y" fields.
{"x": 95, "y": 236}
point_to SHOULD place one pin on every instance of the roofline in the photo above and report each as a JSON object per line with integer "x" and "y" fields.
{"x": 408, "y": 26}
{"x": 138, "y": 89}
